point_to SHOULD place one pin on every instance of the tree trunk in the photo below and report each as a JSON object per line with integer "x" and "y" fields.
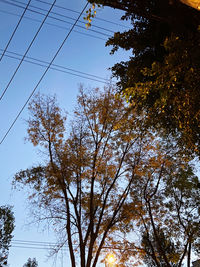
{"x": 189, "y": 254}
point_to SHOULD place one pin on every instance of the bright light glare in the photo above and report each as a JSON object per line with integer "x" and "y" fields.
{"x": 111, "y": 258}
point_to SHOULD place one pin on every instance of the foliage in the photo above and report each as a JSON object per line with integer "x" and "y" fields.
{"x": 87, "y": 173}
{"x": 162, "y": 76}
{"x": 31, "y": 263}
{"x": 6, "y": 229}
{"x": 110, "y": 176}
{"x": 90, "y": 14}
{"x": 151, "y": 249}
{"x": 165, "y": 212}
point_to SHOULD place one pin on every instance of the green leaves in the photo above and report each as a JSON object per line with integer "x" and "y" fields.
{"x": 161, "y": 77}
{"x": 6, "y": 229}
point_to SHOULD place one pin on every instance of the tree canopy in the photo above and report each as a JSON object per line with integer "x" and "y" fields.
{"x": 162, "y": 76}
{"x": 169, "y": 215}
{"x": 103, "y": 173}
{"x": 6, "y": 229}
{"x": 88, "y": 172}
{"x": 160, "y": 222}
{"x": 31, "y": 263}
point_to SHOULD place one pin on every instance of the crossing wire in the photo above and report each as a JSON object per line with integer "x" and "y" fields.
{"x": 55, "y": 18}
{"x": 52, "y": 24}
{"x": 74, "y": 11}
{"x": 57, "y": 67}
{"x": 43, "y": 75}
{"x": 60, "y": 15}
{"x": 15, "y": 30}
{"x": 26, "y": 51}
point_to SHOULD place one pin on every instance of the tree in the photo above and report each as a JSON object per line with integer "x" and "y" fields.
{"x": 152, "y": 257}
{"x": 88, "y": 172}
{"x": 162, "y": 76}
{"x": 94, "y": 181}
{"x": 164, "y": 211}
{"x": 6, "y": 229}
{"x": 31, "y": 263}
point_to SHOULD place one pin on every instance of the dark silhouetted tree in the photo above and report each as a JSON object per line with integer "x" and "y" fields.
{"x": 31, "y": 263}
{"x": 162, "y": 75}
{"x": 6, "y": 229}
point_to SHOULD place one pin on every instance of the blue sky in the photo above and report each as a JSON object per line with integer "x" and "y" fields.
{"x": 81, "y": 52}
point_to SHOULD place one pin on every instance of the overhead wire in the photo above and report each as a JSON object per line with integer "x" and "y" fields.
{"x": 43, "y": 75}
{"x": 57, "y": 19}
{"x": 77, "y": 12}
{"x": 34, "y": 242}
{"x": 74, "y": 11}
{"x": 31, "y": 43}
{"x": 52, "y": 24}
{"x": 57, "y": 67}
{"x": 36, "y": 245}
{"x": 12, "y": 35}
{"x": 52, "y": 245}
{"x": 60, "y": 15}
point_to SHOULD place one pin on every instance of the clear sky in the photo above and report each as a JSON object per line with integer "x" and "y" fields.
{"x": 84, "y": 51}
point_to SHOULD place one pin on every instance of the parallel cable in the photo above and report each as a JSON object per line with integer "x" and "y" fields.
{"x": 16, "y": 246}
{"x": 37, "y": 245}
{"x": 43, "y": 74}
{"x": 41, "y": 245}
{"x": 57, "y": 67}
{"x": 15, "y": 30}
{"x": 33, "y": 242}
{"x": 74, "y": 11}
{"x": 27, "y": 51}
{"x": 58, "y": 19}
{"x": 60, "y": 15}
{"x": 52, "y": 24}
{"x": 64, "y": 70}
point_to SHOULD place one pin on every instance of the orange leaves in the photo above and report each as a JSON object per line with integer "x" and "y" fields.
{"x": 47, "y": 123}
{"x": 99, "y": 177}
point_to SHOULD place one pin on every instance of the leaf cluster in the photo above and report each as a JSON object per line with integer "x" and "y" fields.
{"x": 162, "y": 76}
{"x": 6, "y": 229}
{"x": 110, "y": 176}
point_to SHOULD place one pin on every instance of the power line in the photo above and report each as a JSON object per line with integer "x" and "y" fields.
{"x": 43, "y": 75}
{"x": 49, "y": 245}
{"x": 57, "y": 19}
{"x": 16, "y": 246}
{"x": 74, "y": 11}
{"x": 58, "y": 68}
{"x": 34, "y": 242}
{"x": 37, "y": 245}
{"x": 61, "y": 15}
{"x": 26, "y": 51}
{"x": 15, "y": 30}
{"x": 52, "y": 24}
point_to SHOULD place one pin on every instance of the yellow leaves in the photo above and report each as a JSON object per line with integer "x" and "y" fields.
{"x": 90, "y": 14}
{"x": 47, "y": 122}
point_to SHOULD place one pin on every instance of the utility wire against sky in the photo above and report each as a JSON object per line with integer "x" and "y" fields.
{"x": 55, "y": 13}
{"x": 55, "y": 18}
{"x": 6, "y": 88}
{"x": 15, "y": 30}
{"x": 74, "y": 11}
{"x": 52, "y": 245}
{"x": 52, "y": 24}
{"x": 43, "y": 75}
{"x": 77, "y": 12}
{"x": 56, "y": 67}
